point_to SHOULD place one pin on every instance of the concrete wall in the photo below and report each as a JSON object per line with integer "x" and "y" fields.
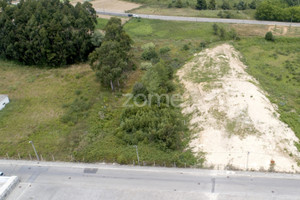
{"x": 4, "y": 102}
{"x": 9, "y": 185}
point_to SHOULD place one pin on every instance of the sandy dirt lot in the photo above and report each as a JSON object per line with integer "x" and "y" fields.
{"x": 111, "y": 5}
{"x": 233, "y": 121}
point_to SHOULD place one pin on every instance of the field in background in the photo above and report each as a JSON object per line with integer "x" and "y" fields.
{"x": 155, "y": 7}
{"x": 190, "y": 12}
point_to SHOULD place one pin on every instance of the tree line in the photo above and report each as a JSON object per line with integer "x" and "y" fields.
{"x": 278, "y": 11}
{"x": 46, "y": 32}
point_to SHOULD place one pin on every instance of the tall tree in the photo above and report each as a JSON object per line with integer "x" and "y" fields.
{"x": 113, "y": 57}
{"x": 201, "y": 5}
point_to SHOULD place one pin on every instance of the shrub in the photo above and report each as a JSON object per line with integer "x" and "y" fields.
{"x": 149, "y": 52}
{"x": 225, "y": 14}
{"x": 185, "y": 47}
{"x": 139, "y": 88}
{"x": 149, "y": 45}
{"x": 252, "y": 5}
{"x": 146, "y": 65}
{"x": 161, "y": 126}
{"x": 225, "y": 5}
{"x": 164, "y": 50}
{"x": 242, "y": 5}
{"x": 215, "y": 29}
{"x": 178, "y": 4}
{"x": 269, "y": 36}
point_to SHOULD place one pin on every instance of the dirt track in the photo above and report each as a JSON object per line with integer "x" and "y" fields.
{"x": 234, "y": 122}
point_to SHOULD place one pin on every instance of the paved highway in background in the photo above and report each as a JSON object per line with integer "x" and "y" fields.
{"x": 200, "y": 19}
{"x": 72, "y": 181}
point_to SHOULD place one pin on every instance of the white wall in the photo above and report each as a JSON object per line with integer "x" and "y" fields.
{"x": 4, "y": 102}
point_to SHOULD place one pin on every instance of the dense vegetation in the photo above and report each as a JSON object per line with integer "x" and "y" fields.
{"x": 278, "y": 11}
{"x": 48, "y": 32}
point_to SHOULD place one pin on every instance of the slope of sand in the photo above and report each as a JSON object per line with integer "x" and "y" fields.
{"x": 235, "y": 124}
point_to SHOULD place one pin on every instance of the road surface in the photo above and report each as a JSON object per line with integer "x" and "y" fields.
{"x": 200, "y": 19}
{"x": 72, "y": 181}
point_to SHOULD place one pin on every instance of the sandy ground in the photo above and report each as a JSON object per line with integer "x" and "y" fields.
{"x": 234, "y": 122}
{"x": 111, "y": 5}
{"x": 278, "y": 30}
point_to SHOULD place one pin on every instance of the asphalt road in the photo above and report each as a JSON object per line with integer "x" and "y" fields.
{"x": 71, "y": 181}
{"x": 200, "y": 19}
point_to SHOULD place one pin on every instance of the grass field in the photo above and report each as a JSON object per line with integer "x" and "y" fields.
{"x": 276, "y": 66}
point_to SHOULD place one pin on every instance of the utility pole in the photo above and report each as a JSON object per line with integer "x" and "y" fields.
{"x": 137, "y": 154}
{"x": 37, "y": 156}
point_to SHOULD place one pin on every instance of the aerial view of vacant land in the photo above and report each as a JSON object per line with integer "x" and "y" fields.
{"x": 113, "y": 99}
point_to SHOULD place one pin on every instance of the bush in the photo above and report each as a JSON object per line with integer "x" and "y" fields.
{"x": 139, "y": 88}
{"x": 149, "y": 52}
{"x": 161, "y": 126}
{"x": 201, "y": 5}
{"x": 215, "y": 29}
{"x": 178, "y": 4}
{"x": 252, "y": 5}
{"x": 225, "y": 5}
{"x": 146, "y": 65}
{"x": 164, "y": 50}
{"x": 157, "y": 79}
{"x": 269, "y": 36}
{"x": 242, "y": 5}
{"x": 149, "y": 45}
{"x": 225, "y": 14}
{"x": 185, "y": 47}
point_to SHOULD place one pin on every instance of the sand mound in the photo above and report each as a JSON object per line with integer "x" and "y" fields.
{"x": 234, "y": 122}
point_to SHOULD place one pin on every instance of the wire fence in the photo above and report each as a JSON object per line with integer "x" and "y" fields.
{"x": 234, "y": 161}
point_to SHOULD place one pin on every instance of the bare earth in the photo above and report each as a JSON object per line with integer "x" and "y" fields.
{"x": 234, "y": 122}
{"x": 111, "y": 5}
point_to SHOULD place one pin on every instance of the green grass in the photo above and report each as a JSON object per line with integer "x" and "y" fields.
{"x": 39, "y": 99}
{"x": 276, "y": 66}
{"x": 68, "y": 115}
{"x": 101, "y": 23}
{"x": 172, "y": 30}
